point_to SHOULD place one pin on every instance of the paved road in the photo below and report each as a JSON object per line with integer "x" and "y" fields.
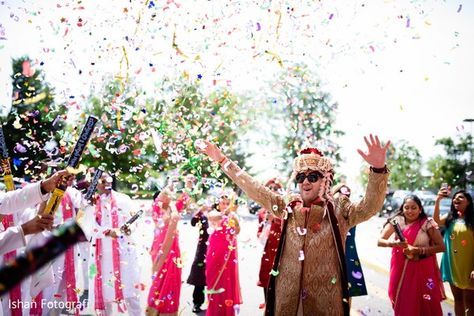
{"x": 375, "y": 263}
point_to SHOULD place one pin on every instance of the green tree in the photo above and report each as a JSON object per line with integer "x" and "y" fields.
{"x": 122, "y": 144}
{"x": 33, "y": 126}
{"x": 405, "y": 165}
{"x": 455, "y": 167}
{"x": 307, "y": 113}
{"x": 218, "y": 116}
{"x": 140, "y": 137}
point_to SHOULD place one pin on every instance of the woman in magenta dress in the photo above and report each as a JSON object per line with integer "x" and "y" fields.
{"x": 415, "y": 286}
{"x": 222, "y": 268}
{"x": 165, "y": 289}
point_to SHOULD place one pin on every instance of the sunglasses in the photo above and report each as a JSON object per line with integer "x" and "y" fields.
{"x": 312, "y": 177}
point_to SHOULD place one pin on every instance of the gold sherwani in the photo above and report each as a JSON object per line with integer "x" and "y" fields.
{"x": 311, "y": 286}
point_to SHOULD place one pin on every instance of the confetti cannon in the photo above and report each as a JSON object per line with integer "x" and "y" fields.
{"x": 399, "y": 233}
{"x": 93, "y": 186}
{"x": 125, "y": 228}
{"x": 27, "y": 263}
{"x": 73, "y": 162}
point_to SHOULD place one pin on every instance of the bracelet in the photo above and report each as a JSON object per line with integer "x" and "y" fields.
{"x": 384, "y": 169}
{"x": 222, "y": 160}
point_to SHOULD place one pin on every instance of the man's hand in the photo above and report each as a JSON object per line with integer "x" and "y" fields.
{"x": 126, "y": 229}
{"x": 39, "y": 223}
{"x": 111, "y": 233}
{"x": 376, "y": 153}
{"x": 50, "y": 184}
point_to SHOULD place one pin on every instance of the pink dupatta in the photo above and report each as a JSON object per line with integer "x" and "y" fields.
{"x": 99, "y": 298}
{"x": 69, "y": 270}
{"x": 15, "y": 293}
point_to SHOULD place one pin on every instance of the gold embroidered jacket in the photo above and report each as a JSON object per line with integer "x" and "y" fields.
{"x": 312, "y": 287}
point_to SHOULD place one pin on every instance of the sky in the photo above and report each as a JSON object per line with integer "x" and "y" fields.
{"x": 399, "y": 69}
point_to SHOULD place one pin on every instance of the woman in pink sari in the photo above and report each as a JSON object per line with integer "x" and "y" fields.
{"x": 415, "y": 286}
{"x": 165, "y": 289}
{"x": 222, "y": 268}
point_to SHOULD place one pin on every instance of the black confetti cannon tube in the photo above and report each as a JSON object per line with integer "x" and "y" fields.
{"x": 93, "y": 186}
{"x": 125, "y": 227}
{"x": 398, "y": 230}
{"x": 27, "y": 263}
{"x": 399, "y": 233}
{"x": 73, "y": 162}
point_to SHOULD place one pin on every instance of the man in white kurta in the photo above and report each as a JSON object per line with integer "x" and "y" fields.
{"x": 68, "y": 274}
{"x": 19, "y": 305}
{"x": 20, "y": 204}
{"x": 110, "y": 249}
{"x": 15, "y": 237}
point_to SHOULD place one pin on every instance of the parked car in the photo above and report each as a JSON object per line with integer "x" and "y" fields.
{"x": 387, "y": 210}
{"x": 444, "y": 207}
{"x": 424, "y": 195}
{"x": 397, "y": 199}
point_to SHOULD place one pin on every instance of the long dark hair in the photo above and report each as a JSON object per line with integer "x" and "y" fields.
{"x": 400, "y": 209}
{"x": 215, "y": 206}
{"x": 156, "y": 195}
{"x": 468, "y": 213}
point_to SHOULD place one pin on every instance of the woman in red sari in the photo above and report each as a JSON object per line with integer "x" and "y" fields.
{"x": 415, "y": 286}
{"x": 165, "y": 289}
{"x": 222, "y": 268}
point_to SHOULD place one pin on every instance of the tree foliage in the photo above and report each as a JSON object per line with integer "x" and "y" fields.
{"x": 456, "y": 166}
{"x": 121, "y": 145}
{"x": 142, "y": 137}
{"x": 32, "y": 127}
{"x": 306, "y": 112}
{"x": 405, "y": 165}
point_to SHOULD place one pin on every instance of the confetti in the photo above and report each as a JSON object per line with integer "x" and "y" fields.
{"x": 218, "y": 291}
{"x": 430, "y": 284}
{"x": 357, "y": 275}
{"x": 301, "y": 231}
